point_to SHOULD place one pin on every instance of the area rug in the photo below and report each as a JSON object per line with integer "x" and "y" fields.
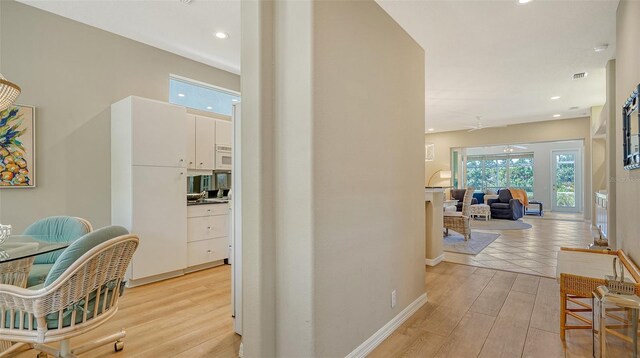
{"x": 498, "y": 224}
{"x": 479, "y": 240}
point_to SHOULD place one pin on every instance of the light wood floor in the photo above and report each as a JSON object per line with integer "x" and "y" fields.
{"x": 186, "y": 317}
{"x": 531, "y": 251}
{"x": 480, "y": 312}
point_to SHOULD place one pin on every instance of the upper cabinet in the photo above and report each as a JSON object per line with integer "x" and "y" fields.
{"x": 224, "y": 132}
{"x": 205, "y": 145}
{"x": 201, "y": 135}
{"x": 160, "y": 135}
{"x": 191, "y": 140}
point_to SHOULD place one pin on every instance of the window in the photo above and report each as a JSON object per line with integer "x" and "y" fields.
{"x": 500, "y": 171}
{"x": 201, "y": 96}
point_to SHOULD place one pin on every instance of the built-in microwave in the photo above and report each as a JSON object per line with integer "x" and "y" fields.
{"x": 223, "y": 157}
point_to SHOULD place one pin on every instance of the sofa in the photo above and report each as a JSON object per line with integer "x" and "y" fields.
{"x": 505, "y": 206}
{"x": 458, "y": 194}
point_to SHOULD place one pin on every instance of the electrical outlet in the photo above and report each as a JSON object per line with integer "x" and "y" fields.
{"x": 393, "y": 299}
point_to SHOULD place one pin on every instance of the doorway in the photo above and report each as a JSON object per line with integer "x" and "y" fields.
{"x": 566, "y": 183}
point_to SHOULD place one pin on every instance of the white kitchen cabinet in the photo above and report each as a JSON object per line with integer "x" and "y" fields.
{"x": 200, "y": 142}
{"x": 207, "y": 233}
{"x": 159, "y": 195}
{"x": 205, "y": 143}
{"x": 191, "y": 141}
{"x": 207, "y": 227}
{"x": 157, "y": 135}
{"x": 224, "y": 132}
{"x": 148, "y": 184}
{"x": 202, "y": 252}
{"x": 194, "y": 211}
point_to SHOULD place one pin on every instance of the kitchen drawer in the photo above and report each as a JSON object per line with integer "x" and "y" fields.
{"x": 207, "y": 227}
{"x": 205, "y": 251}
{"x": 194, "y": 211}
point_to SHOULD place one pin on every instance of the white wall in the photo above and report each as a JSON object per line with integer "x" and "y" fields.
{"x": 542, "y": 164}
{"x": 72, "y": 73}
{"x": 346, "y": 225}
{"x": 368, "y": 176}
{"x": 627, "y": 183}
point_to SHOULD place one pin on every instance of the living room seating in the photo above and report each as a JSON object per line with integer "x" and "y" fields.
{"x": 458, "y": 194}
{"x": 80, "y": 293}
{"x": 505, "y": 206}
{"x": 60, "y": 228}
{"x": 459, "y": 221}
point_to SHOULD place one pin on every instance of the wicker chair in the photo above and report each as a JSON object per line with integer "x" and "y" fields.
{"x": 59, "y": 228}
{"x": 578, "y": 289}
{"x": 79, "y": 295}
{"x": 459, "y": 221}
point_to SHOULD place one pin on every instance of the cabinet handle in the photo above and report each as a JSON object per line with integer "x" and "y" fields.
{"x": 201, "y": 163}
{"x": 190, "y": 162}
{"x": 208, "y": 251}
{"x": 209, "y": 228}
{"x": 208, "y": 210}
{"x": 181, "y": 173}
{"x": 181, "y": 160}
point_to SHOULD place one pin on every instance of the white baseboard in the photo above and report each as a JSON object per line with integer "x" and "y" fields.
{"x": 433, "y": 262}
{"x": 370, "y": 344}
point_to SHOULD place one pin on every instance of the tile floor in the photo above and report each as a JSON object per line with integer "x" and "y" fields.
{"x": 531, "y": 251}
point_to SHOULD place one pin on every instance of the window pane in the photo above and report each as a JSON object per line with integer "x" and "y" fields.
{"x": 198, "y": 96}
{"x": 501, "y": 171}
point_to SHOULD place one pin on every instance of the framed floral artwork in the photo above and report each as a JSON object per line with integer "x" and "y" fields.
{"x": 18, "y": 147}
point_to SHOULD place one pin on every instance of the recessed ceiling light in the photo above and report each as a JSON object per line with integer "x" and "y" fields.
{"x": 601, "y": 48}
{"x": 222, "y": 35}
{"x": 431, "y": 129}
{"x": 555, "y": 97}
{"x": 180, "y": 94}
{"x": 234, "y": 100}
{"x": 209, "y": 107}
{"x": 524, "y": 1}
{"x": 556, "y": 115}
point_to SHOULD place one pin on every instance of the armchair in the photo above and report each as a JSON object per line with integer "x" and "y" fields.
{"x": 80, "y": 293}
{"x": 505, "y": 206}
{"x": 458, "y": 194}
{"x": 459, "y": 221}
{"x": 62, "y": 228}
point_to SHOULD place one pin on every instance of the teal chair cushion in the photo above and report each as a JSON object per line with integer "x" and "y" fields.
{"x": 38, "y": 274}
{"x": 81, "y": 246}
{"x": 59, "y": 229}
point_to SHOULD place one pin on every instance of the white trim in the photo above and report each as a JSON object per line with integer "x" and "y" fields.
{"x": 370, "y": 344}
{"x": 433, "y": 262}
{"x": 579, "y": 180}
{"x": 204, "y": 84}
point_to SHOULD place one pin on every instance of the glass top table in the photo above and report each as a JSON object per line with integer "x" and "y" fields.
{"x": 19, "y": 247}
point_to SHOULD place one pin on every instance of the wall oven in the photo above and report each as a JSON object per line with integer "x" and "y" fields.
{"x": 223, "y": 157}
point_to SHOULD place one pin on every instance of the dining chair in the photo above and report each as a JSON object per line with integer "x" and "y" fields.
{"x": 459, "y": 220}
{"x": 54, "y": 228}
{"x": 80, "y": 293}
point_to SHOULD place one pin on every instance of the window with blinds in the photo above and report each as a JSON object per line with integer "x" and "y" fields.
{"x": 496, "y": 171}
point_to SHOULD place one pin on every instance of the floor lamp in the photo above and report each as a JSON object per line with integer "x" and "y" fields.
{"x": 444, "y": 174}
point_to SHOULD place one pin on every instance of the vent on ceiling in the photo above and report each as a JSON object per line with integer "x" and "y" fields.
{"x": 577, "y": 76}
{"x": 574, "y": 108}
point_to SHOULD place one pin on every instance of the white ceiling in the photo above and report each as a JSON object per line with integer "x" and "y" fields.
{"x": 496, "y": 59}
{"x": 502, "y": 60}
{"x": 184, "y": 29}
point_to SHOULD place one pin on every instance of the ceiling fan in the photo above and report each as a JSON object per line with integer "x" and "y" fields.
{"x": 479, "y": 125}
{"x": 511, "y": 148}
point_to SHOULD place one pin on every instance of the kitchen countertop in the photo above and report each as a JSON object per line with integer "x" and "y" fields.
{"x": 207, "y": 202}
